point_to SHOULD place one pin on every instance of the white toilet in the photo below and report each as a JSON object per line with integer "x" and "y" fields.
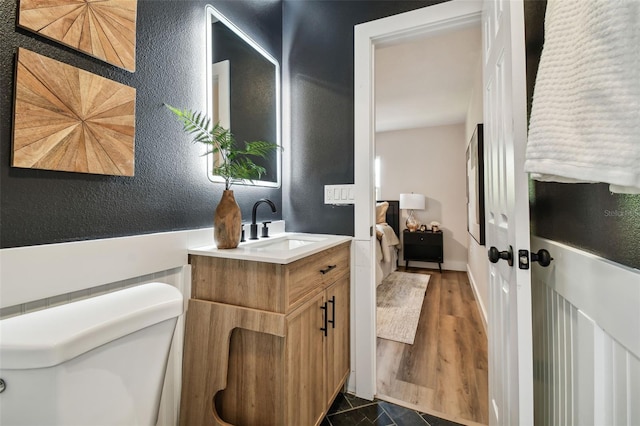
{"x": 97, "y": 361}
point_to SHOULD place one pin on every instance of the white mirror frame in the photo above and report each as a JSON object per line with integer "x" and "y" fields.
{"x": 220, "y": 73}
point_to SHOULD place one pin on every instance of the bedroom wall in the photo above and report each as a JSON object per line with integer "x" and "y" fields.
{"x": 478, "y": 267}
{"x": 430, "y": 161}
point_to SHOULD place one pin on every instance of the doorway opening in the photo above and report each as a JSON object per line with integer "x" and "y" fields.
{"x": 431, "y": 343}
{"x": 370, "y": 37}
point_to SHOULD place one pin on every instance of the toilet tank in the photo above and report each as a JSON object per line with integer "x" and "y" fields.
{"x": 97, "y": 361}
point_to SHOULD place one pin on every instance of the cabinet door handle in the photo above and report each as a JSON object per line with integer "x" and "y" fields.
{"x": 327, "y": 269}
{"x": 324, "y": 318}
{"x": 333, "y": 311}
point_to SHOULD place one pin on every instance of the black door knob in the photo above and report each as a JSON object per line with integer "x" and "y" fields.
{"x": 542, "y": 257}
{"x": 495, "y": 255}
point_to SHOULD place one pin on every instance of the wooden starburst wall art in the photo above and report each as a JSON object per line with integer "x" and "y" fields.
{"x": 105, "y": 29}
{"x": 71, "y": 120}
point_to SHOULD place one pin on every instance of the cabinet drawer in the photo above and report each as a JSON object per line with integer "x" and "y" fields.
{"x": 422, "y": 252}
{"x": 257, "y": 285}
{"x": 422, "y": 237}
{"x": 311, "y": 274}
{"x": 267, "y": 286}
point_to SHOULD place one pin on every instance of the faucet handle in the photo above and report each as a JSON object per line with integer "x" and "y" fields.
{"x": 265, "y": 229}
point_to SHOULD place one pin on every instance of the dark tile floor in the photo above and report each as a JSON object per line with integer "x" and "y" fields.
{"x": 349, "y": 410}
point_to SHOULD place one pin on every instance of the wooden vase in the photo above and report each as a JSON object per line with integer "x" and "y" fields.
{"x": 227, "y": 222}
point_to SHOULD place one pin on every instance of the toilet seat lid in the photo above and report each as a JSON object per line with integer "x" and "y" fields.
{"x": 51, "y": 336}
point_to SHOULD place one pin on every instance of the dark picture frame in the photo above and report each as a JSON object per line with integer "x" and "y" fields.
{"x": 475, "y": 186}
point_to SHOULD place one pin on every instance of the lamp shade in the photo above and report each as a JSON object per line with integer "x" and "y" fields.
{"x": 412, "y": 201}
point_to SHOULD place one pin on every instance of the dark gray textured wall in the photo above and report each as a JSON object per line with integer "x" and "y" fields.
{"x": 170, "y": 189}
{"x": 318, "y": 66}
{"x": 586, "y": 216}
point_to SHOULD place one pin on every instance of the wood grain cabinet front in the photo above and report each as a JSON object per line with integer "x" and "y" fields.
{"x": 337, "y": 342}
{"x": 278, "y": 358}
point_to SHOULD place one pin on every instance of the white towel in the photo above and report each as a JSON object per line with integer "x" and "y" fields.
{"x": 585, "y": 117}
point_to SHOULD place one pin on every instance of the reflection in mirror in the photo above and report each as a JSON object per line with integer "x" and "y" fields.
{"x": 243, "y": 91}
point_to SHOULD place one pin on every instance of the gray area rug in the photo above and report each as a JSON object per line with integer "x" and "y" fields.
{"x": 399, "y": 300}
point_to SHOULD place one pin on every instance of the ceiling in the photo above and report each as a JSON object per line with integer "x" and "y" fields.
{"x": 427, "y": 82}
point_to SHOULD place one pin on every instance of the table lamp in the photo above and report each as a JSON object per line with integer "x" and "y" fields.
{"x": 412, "y": 202}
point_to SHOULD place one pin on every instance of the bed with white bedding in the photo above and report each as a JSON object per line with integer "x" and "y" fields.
{"x": 388, "y": 243}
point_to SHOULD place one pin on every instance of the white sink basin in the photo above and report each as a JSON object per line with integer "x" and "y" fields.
{"x": 283, "y": 248}
{"x": 286, "y": 242}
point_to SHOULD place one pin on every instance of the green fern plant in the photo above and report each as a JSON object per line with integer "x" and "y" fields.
{"x": 234, "y": 164}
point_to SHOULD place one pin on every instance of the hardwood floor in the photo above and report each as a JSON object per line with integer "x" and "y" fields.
{"x": 444, "y": 372}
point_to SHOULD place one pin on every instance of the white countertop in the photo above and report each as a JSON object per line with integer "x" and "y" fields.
{"x": 280, "y": 248}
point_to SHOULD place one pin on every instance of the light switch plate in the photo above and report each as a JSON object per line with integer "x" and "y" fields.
{"x": 339, "y": 194}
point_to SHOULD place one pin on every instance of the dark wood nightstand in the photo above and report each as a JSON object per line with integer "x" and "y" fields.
{"x": 423, "y": 246}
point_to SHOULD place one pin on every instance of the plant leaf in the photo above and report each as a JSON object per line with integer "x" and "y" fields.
{"x": 234, "y": 164}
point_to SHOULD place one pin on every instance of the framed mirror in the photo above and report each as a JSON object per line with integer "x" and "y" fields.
{"x": 243, "y": 92}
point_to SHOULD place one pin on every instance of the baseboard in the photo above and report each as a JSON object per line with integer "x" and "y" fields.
{"x": 446, "y": 265}
{"x": 481, "y": 307}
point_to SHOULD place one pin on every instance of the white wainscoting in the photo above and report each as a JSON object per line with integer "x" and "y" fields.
{"x": 33, "y": 273}
{"x": 37, "y": 277}
{"x": 586, "y": 327}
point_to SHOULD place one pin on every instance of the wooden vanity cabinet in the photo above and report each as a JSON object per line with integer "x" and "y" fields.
{"x": 318, "y": 363}
{"x": 305, "y": 362}
{"x": 256, "y": 351}
{"x": 338, "y": 338}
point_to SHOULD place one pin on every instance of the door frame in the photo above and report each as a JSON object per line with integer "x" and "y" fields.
{"x": 427, "y": 21}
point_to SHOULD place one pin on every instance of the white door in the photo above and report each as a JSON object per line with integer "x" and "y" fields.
{"x": 507, "y": 212}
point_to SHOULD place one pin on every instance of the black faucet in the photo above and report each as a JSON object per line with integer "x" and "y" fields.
{"x": 254, "y": 226}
